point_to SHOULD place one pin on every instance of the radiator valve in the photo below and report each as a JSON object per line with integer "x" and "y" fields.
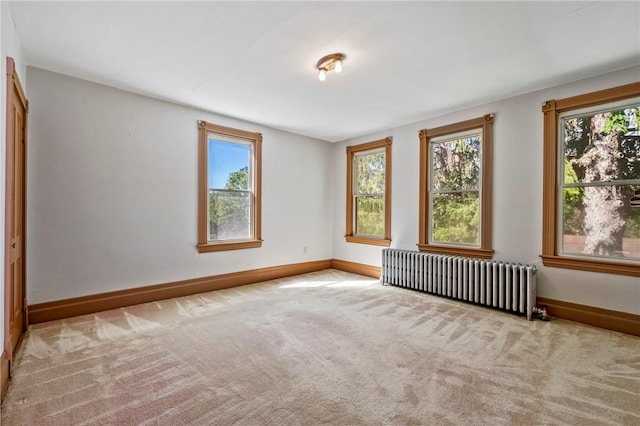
{"x": 541, "y": 312}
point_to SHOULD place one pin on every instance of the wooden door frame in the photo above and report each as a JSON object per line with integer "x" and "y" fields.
{"x": 13, "y": 85}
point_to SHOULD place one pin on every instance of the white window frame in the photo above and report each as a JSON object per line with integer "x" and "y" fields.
{"x": 357, "y": 194}
{"x": 433, "y": 191}
{"x": 211, "y": 136}
{"x": 574, "y": 113}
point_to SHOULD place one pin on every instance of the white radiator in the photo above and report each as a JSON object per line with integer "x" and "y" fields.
{"x": 507, "y": 286}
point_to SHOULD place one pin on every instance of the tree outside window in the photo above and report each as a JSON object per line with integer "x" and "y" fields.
{"x": 601, "y": 172}
{"x": 369, "y": 193}
{"x": 229, "y": 188}
{"x": 456, "y": 188}
{"x": 591, "y": 173}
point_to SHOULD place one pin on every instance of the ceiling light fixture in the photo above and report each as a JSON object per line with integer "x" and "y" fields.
{"x": 328, "y": 63}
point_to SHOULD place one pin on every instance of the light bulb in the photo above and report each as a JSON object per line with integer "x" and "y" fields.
{"x": 322, "y": 75}
{"x": 338, "y": 66}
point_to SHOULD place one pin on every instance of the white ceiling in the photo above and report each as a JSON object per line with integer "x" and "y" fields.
{"x": 406, "y": 61}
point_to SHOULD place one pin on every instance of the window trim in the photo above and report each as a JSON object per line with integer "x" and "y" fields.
{"x": 551, "y": 110}
{"x": 351, "y": 153}
{"x": 204, "y": 245}
{"x": 485, "y": 251}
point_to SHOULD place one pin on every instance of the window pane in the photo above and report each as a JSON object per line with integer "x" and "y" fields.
{"x": 602, "y": 147}
{"x": 456, "y": 218}
{"x": 370, "y": 216}
{"x": 370, "y": 173}
{"x": 456, "y": 163}
{"x": 229, "y": 165}
{"x": 599, "y": 221}
{"x": 229, "y": 215}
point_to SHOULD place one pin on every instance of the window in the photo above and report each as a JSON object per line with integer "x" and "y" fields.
{"x": 229, "y": 201}
{"x": 591, "y": 173}
{"x": 369, "y": 193}
{"x": 455, "y": 188}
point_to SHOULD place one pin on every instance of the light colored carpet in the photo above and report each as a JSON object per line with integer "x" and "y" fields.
{"x": 327, "y": 347}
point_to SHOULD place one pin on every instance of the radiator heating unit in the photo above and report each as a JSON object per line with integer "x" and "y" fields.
{"x": 506, "y": 286}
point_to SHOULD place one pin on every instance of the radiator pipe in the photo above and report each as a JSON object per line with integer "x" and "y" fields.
{"x": 541, "y": 312}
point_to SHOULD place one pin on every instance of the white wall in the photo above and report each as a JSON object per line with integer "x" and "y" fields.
{"x": 112, "y": 185}
{"x": 10, "y": 46}
{"x": 517, "y": 208}
{"x": 112, "y": 193}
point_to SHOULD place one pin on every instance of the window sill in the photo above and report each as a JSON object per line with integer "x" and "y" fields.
{"x": 606, "y": 267}
{"x": 366, "y": 240}
{"x": 232, "y": 245}
{"x": 457, "y": 251}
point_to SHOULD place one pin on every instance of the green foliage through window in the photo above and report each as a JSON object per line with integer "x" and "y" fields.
{"x": 238, "y": 179}
{"x": 456, "y": 218}
{"x": 455, "y": 190}
{"x": 456, "y": 164}
{"x": 369, "y": 194}
{"x": 370, "y": 215}
{"x": 229, "y": 213}
{"x": 601, "y": 147}
{"x": 229, "y": 204}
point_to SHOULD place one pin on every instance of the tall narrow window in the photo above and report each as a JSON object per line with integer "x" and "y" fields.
{"x": 455, "y": 188}
{"x": 592, "y": 174}
{"x": 229, "y": 195}
{"x": 369, "y": 193}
